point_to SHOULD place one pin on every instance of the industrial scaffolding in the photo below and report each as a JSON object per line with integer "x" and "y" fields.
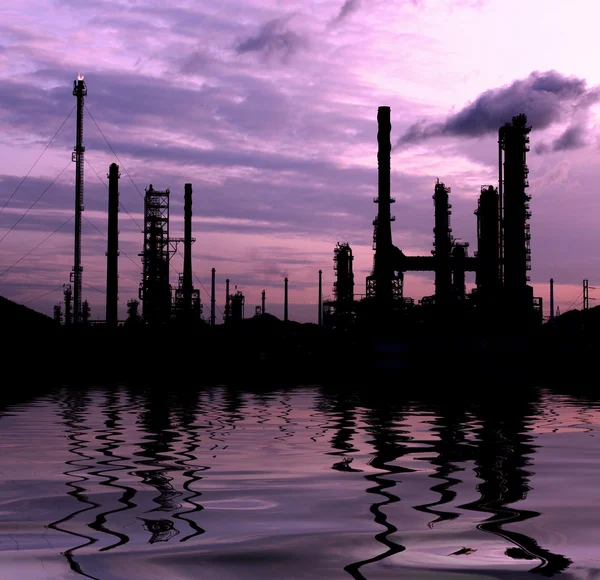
{"x": 155, "y": 289}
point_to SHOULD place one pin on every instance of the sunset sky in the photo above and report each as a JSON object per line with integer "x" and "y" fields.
{"x": 268, "y": 107}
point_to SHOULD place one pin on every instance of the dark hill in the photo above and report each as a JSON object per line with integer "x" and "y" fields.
{"x": 16, "y": 316}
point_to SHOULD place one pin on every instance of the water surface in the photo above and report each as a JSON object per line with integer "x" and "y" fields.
{"x": 306, "y": 483}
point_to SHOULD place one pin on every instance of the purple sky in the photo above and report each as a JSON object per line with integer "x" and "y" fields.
{"x": 269, "y": 109}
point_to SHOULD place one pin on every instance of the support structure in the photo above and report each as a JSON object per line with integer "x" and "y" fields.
{"x": 112, "y": 250}
{"x": 212, "y": 298}
{"x": 586, "y": 295}
{"x": 285, "y": 300}
{"x": 79, "y": 91}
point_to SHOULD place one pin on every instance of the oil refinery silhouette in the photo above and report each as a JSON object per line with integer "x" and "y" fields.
{"x": 499, "y": 320}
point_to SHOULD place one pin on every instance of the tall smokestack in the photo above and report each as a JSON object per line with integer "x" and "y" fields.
{"x": 227, "y": 305}
{"x": 187, "y": 285}
{"x": 112, "y": 250}
{"x": 212, "y": 299}
{"x": 383, "y": 268}
{"x": 320, "y": 317}
{"x": 263, "y": 300}
{"x": 285, "y": 301}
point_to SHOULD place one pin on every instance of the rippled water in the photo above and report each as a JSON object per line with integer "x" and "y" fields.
{"x": 303, "y": 483}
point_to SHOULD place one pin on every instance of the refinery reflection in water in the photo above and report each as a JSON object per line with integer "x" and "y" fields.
{"x": 303, "y": 483}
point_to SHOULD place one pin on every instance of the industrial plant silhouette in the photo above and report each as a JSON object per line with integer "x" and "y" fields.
{"x": 381, "y": 320}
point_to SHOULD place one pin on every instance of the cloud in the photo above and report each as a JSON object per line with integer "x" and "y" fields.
{"x": 547, "y": 98}
{"x": 275, "y": 38}
{"x": 573, "y": 137}
{"x": 348, "y": 8}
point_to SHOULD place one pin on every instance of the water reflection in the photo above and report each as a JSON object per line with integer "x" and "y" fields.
{"x": 452, "y": 448}
{"x": 73, "y": 410}
{"x": 111, "y": 439}
{"x": 503, "y": 451}
{"x": 185, "y": 412}
{"x": 344, "y": 430}
{"x": 388, "y": 441}
{"x": 224, "y": 475}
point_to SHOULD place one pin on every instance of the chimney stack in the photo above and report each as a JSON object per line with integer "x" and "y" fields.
{"x": 551, "y": 299}
{"x": 227, "y": 305}
{"x": 187, "y": 250}
{"x": 212, "y": 300}
{"x": 112, "y": 250}
{"x": 320, "y": 318}
{"x": 383, "y": 269}
{"x": 285, "y": 301}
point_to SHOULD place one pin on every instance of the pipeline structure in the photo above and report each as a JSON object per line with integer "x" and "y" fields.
{"x": 502, "y": 298}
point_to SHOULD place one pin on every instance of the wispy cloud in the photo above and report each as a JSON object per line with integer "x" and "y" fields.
{"x": 275, "y": 38}
{"x": 348, "y": 8}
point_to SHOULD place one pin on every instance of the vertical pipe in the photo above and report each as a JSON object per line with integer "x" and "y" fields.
{"x": 285, "y": 301}
{"x": 320, "y": 317}
{"x": 263, "y": 300}
{"x": 501, "y": 204}
{"x": 551, "y": 299}
{"x": 212, "y": 299}
{"x": 79, "y": 91}
{"x": 383, "y": 244}
{"x": 112, "y": 250}
{"x": 227, "y": 305}
{"x": 187, "y": 284}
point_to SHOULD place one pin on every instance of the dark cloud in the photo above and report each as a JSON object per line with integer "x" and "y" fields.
{"x": 275, "y": 38}
{"x": 545, "y": 97}
{"x": 573, "y": 137}
{"x": 348, "y": 8}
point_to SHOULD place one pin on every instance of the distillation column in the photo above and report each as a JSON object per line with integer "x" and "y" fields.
{"x": 442, "y": 235}
{"x": 112, "y": 251}
{"x": 79, "y": 91}
{"x": 155, "y": 289}
{"x": 514, "y": 143}
{"x": 383, "y": 283}
{"x": 488, "y": 245}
